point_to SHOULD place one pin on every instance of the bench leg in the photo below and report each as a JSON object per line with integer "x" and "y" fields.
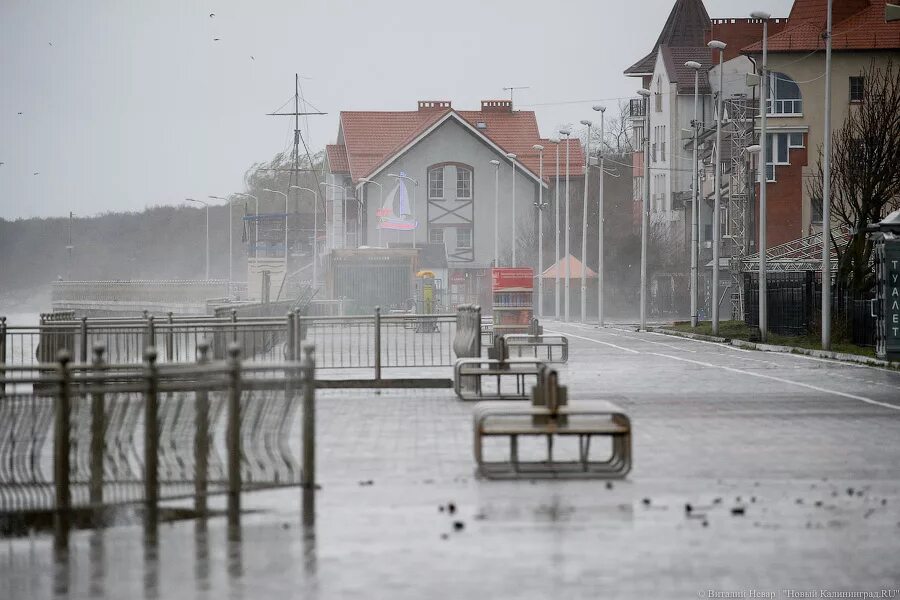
{"x": 514, "y": 451}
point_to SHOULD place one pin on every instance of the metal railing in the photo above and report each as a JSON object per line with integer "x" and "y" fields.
{"x": 76, "y": 436}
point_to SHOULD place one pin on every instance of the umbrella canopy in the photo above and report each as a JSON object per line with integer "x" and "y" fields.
{"x": 575, "y": 269}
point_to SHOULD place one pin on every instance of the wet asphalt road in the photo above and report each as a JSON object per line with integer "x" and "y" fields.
{"x": 809, "y": 448}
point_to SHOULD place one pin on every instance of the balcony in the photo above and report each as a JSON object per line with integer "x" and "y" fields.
{"x": 636, "y": 108}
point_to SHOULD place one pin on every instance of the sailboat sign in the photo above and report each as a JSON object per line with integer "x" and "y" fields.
{"x": 395, "y": 213}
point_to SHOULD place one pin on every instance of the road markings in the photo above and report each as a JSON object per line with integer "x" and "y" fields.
{"x": 631, "y": 337}
{"x": 587, "y": 339}
{"x": 782, "y": 380}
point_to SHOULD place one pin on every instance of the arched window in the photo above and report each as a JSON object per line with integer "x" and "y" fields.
{"x": 784, "y": 96}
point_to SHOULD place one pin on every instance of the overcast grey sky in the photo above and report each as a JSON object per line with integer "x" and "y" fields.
{"x": 129, "y": 103}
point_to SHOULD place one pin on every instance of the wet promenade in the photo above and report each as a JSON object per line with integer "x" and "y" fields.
{"x": 752, "y": 471}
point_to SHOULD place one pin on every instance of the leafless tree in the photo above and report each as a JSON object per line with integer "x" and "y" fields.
{"x": 865, "y": 171}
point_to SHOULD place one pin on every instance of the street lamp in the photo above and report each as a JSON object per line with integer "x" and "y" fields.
{"x": 256, "y": 225}
{"x": 285, "y": 226}
{"x": 567, "y": 133}
{"x": 206, "y": 204}
{"x": 600, "y": 220}
{"x": 315, "y": 229}
{"x": 717, "y": 182}
{"x": 695, "y": 208}
{"x": 512, "y": 159}
{"x": 496, "y": 164}
{"x": 230, "y": 236}
{"x": 645, "y": 206}
{"x": 416, "y": 182}
{"x": 540, "y": 206}
{"x": 555, "y": 141}
{"x": 826, "y": 194}
{"x": 763, "y": 175}
{"x": 587, "y": 161}
{"x": 364, "y": 181}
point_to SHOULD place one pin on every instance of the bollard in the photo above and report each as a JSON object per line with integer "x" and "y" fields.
{"x": 170, "y": 339}
{"x": 62, "y": 444}
{"x": 98, "y": 429}
{"x": 291, "y": 345}
{"x": 467, "y": 342}
{"x": 83, "y": 354}
{"x": 308, "y": 476}
{"x": 377, "y": 343}
{"x": 151, "y": 435}
{"x": 233, "y": 431}
{"x": 151, "y": 333}
{"x": 201, "y": 441}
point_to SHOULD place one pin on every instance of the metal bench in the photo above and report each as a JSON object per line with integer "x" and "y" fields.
{"x": 484, "y": 378}
{"x": 550, "y": 416}
{"x": 547, "y": 348}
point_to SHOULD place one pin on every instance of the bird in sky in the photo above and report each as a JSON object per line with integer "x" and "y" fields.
{"x": 51, "y": 43}
{"x": 20, "y": 112}
{"x": 251, "y": 58}
{"x": 211, "y": 15}
{"x": 215, "y": 39}
{"x": 2, "y": 163}
{"x": 36, "y": 173}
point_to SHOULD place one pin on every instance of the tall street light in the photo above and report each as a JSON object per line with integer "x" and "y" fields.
{"x": 587, "y": 166}
{"x": 763, "y": 175}
{"x": 540, "y": 206}
{"x": 645, "y": 206}
{"x": 315, "y": 243}
{"x": 717, "y": 182}
{"x": 256, "y": 225}
{"x": 496, "y": 164}
{"x": 512, "y": 158}
{"x": 600, "y": 220}
{"x": 695, "y": 208}
{"x": 555, "y": 141}
{"x": 364, "y": 181}
{"x": 206, "y": 204}
{"x": 567, "y": 133}
{"x": 230, "y": 236}
{"x": 826, "y": 196}
{"x": 285, "y": 227}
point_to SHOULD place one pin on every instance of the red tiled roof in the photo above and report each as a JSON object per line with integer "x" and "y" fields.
{"x": 858, "y": 25}
{"x": 684, "y": 76}
{"x": 337, "y": 158}
{"x": 371, "y": 138}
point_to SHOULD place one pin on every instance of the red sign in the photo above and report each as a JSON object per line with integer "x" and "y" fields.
{"x": 512, "y": 278}
{"x": 457, "y": 277}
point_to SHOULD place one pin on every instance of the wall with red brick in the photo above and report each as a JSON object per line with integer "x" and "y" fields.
{"x": 784, "y": 201}
{"x": 740, "y": 33}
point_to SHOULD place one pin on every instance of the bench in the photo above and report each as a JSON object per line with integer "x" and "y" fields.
{"x": 550, "y": 416}
{"x": 547, "y": 348}
{"x": 484, "y": 378}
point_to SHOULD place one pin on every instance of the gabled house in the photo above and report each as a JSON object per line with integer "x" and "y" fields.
{"x": 407, "y": 178}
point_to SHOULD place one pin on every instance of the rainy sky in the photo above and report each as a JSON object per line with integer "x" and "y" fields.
{"x": 126, "y": 104}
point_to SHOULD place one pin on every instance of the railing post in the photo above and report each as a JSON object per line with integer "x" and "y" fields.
{"x": 170, "y": 340}
{"x": 98, "y": 429}
{"x": 151, "y": 333}
{"x": 201, "y": 442}
{"x": 377, "y": 343}
{"x": 233, "y": 432}
{"x": 83, "y": 355}
{"x": 291, "y": 346}
{"x": 62, "y": 443}
{"x": 234, "y": 325}
{"x": 151, "y": 434}
{"x": 3, "y": 352}
{"x": 477, "y": 330}
{"x": 308, "y": 476}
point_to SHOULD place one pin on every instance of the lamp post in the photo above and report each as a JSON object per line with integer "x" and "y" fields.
{"x": 364, "y": 181}
{"x": 717, "y": 182}
{"x": 256, "y": 225}
{"x": 695, "y": 208}
{"x": 540, "y": 206}
{"x": 600, "y": 220}
{"x": 512, "y": 159}
{"x": 315, "y": 244}
{"x": 230, "y": 236}
{"x": 826, "y": 195}
{"x": 645, "y": 206}
{"x": 555, "y": 141}
{"x": 416, "y": 183}
{"x": 285, "y": 226}
{"x": 587, "y": 166}
{"x": 567, "y": 133}
{"x": 496, "y": 164}
{"x": 206, "y": 204}
{"x": 763, "y": 175}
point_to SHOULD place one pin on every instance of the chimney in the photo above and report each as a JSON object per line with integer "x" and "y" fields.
{"x": 496, "y": 106}
{"x": 433, "y": 105}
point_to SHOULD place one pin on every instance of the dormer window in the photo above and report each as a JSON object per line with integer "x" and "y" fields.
{"x": 481, "y": 125}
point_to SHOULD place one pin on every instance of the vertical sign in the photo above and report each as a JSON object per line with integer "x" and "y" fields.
{"x": 892, "y": 299}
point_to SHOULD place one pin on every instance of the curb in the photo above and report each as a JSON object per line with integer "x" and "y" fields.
{"x": 838, "y": 356}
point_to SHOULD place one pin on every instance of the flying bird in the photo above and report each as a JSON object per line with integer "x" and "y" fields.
{"x": 20, "y": 113}
{"x": 51, "y": 43}
{"x": 215, "y": 39}
{"x": 35, "y": 173}
{"x": 211, "y": 15}
{"x": 251, "y": 58}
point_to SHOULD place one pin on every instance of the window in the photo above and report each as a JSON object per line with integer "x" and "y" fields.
{"x": 463, "y": 183}
{"x": 464, "y": 237}
{"x": 795, "y": 140}
{"x": 658, "y": 96}
{"x": 436, "y": 235}
{"x": 857, "y": 89}
{"x": 436, "y": 183}
{"x": 784, "y": 96}
{"x": 662, "y": 143}
{"x": 816, "y": 206}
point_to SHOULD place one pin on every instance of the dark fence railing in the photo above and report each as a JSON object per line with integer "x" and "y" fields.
{"x": 794, "y": 305}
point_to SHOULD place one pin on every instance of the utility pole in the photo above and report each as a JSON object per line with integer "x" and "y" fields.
{"x": 826, "y": 197}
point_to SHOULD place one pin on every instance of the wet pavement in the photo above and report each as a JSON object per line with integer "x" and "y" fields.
{"x": 752, "y": 471}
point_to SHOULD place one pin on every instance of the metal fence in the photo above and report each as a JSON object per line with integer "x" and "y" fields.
{"x": 98, "y": 434}
{"x": 373, "y": 341}
{"x": 794, "y": 304}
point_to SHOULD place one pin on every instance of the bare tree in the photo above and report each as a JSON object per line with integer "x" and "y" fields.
{"x": 865, "y": 171}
